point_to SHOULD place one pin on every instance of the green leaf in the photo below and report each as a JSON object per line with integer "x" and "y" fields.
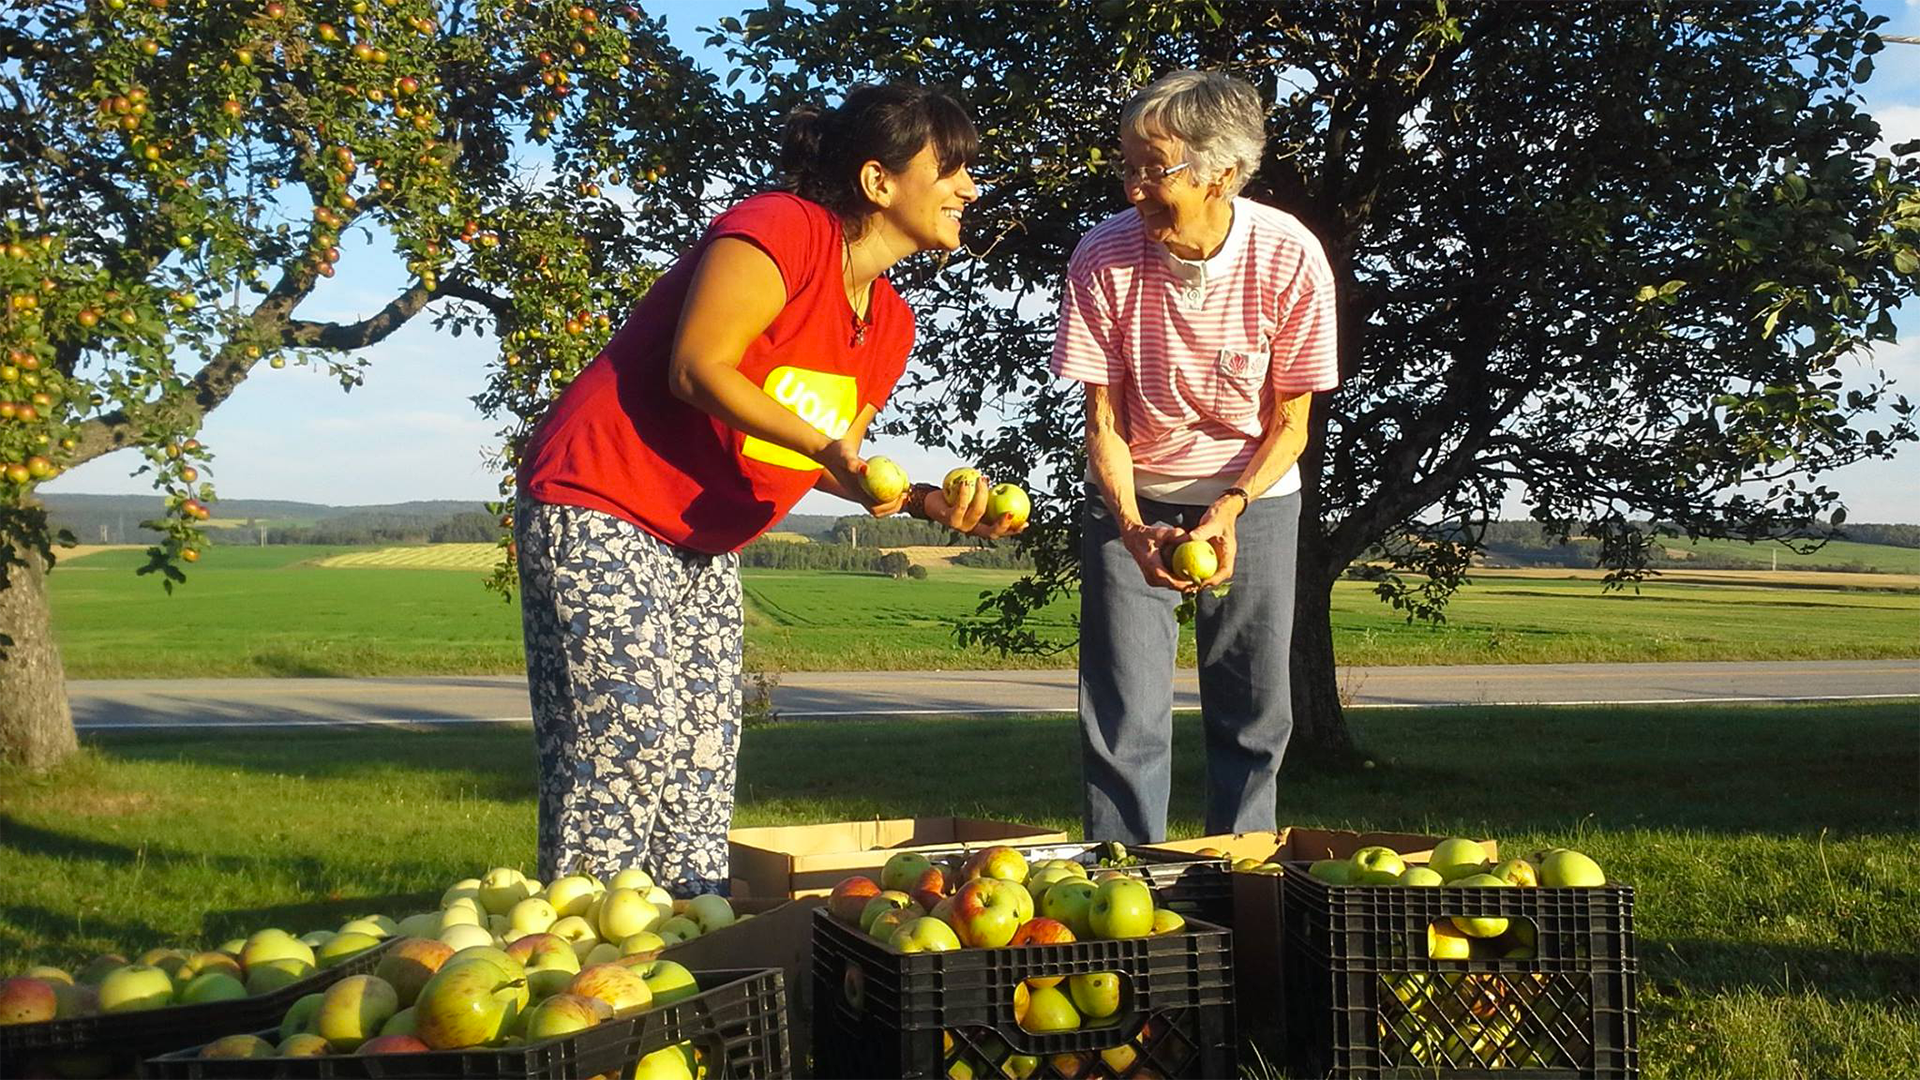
{"x": 1905, "y": 261}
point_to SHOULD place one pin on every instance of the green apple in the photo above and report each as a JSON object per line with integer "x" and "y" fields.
{"x": 267, "y": 976}
{"x": 1048, "y": 1010}
{"x": 313, "y": 939}
{"x": 466, "y": 936}
{"x": 97, "y": 968}
{"x": 1423, "y": 877}
{"x": 631, "y": 878}
{"x": 986, "y": 912}
{"x": 1167, "y": 921}
{"x": 561, "y": 1014}
{"x": 606, "y": 952}
{"x": 374, "y": 926}
{"x": 1008, "y": 500}
{"x": 469, "y": 1003}
{"x": 626, "y": 912}
{"x": 1195, "y": 561}
{"x": 1121, "y": 908}
{"x": 462, "y": 912}
{"x": 712, "y": 912}
{"x": 1568, "y": 869}
{"x": 464, "y": 889}
{"x": 274, "y": 945}
{"x": 903, "y": 871}
{"x": 886, "y": 901}
{"x": 667, "y": 1064}
{"x": 924, "y": 934}
{"x": 423, "y": 924}
{"x": 883, "y": 479}
{"x": 501, "y": 888}
{"x": 884, "y": 924}
{"x": 1068, "y": 902}
{"x": 400, "y": 1023}
{"x": 212, "y": 986}
{"x": 238, "y": 1046}
{"x": 1455, "y": 857}
{"x": 198, "y": 963}
{"x": 1042, "y": 878}
{"x": 1375, "y": 877}
{"x": 643, "y": 943}
{"x": 677, "y": 929}
{"x": 343, "y": 947}
{"x": 572, "y": 895}
{"x": 353, "y": 1010}
{"x": 532, "y": 915}
{"x": 670, "y": 982}
{"x": 1097, "y": 994}
{"x": 300, "y": 1015}
{"x": 1332, "y": 871}
{"x": 1487, "y": 927}
{"x": 1378, "y": 858}
{"x": 574, "y": 931}
{"x": 998, "y": 861}
{"x": 1446, "y": 942}
{"x": 135, "y": 987}
{"x": 167, "y": 960}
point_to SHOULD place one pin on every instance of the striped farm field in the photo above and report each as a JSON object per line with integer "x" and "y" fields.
{"x": 421, "y": 557}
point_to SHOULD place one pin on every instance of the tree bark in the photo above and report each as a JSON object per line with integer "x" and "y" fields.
{"x": 1320, "y": 735}
{"x": 36, "y": 724}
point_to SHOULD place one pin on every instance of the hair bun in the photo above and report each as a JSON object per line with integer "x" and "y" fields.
{"x": 800, "y": 143}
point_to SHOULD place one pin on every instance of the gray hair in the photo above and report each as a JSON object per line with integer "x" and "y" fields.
{"x": 1218, "y": 118}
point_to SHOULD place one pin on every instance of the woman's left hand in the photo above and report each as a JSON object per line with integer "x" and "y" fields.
{"x": 1217, "y": 528}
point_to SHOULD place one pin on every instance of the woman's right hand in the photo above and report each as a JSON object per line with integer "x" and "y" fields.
{"x": 1150, "y": 545}
{"x": 843, "y": 462}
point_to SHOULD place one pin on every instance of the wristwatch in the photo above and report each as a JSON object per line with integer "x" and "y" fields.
{"x": 1246, "y": 500}
{"x": 916, "y": 504}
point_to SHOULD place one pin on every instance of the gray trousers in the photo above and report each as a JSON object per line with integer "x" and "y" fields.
{"x": 1128, "y": 638}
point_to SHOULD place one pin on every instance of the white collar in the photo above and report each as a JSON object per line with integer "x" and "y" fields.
{"x": 1193, "y": 274}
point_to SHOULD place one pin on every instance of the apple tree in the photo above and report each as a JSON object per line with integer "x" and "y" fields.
{"x": 1613, "y": 261}
{"x": 179, "y": 177}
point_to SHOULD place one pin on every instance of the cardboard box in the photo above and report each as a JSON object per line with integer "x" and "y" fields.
{"x": 809, "y": 860}
{"x": 780, "y": 935}
{"x": 1259, "y": 920}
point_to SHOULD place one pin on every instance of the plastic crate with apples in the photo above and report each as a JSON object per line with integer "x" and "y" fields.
{"x": 714, "y": 1024}
{"x": 1192, "y": 884}
{"x": 1459, "y": 965}
{"x": 1016, "y": 969}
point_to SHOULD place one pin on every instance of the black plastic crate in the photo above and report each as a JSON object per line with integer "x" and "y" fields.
{"x": 878, "y": 1013}
{"x": 738, "y": 1024}
{"x": 115, "y": 1044}
{"x": 1194, "y": 886}
{"x": 1363, "y": 999}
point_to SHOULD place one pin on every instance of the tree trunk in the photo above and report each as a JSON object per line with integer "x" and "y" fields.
{"x": 36, "y": 725}
{"x": 1320, "y": 735}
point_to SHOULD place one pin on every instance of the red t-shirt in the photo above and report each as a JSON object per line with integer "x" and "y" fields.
{"x": 620, "y": 442}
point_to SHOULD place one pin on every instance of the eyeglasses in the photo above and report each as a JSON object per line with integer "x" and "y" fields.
{"x": 1147, "y": 174}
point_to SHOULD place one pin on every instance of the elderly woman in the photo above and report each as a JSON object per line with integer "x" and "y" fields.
{"x": 1201, "y": 324}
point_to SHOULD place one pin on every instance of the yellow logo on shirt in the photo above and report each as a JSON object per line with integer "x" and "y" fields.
{"x": 827, "y": 402}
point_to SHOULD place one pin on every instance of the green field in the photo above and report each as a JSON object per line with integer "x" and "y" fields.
{"x": 1772, "y": 849}
{"x": 275, "y": 611}
{"x": 1883, "y": 558}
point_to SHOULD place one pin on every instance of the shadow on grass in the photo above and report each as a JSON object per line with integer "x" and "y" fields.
{"x": 494, "y": 764}
{"x": 1706, "y": 965}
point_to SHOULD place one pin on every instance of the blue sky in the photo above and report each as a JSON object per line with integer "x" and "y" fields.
{"x": 412, "y": 432}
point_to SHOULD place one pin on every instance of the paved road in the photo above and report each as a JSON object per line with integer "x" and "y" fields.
{"x": 103, "y": 705}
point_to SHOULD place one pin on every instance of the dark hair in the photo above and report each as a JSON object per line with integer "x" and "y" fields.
{"x": 823, "y": 150}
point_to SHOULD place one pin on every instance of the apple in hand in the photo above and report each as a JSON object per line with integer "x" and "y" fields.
{"x": 883, "y": 479}
{"x": 1008, "y": 500}
{"x": 1195, "y": 561}
{"x": 1122, "y": 908}
{"x": 959, "y": 484}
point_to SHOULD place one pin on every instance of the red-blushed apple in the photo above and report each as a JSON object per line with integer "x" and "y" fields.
{"x": 986, "y": 913}
{"x": 27, "y": 1001}
{"x": 1121, "y": 908}
{"x": 886, "y": 901}
{"x": 1564, "y": 868}
{"x": 1455, "y": 857}
{"x": 903, "y": 870}
{"x": 1068, "y": 902}
{"x": 303, "y": 1044}
{"x": 354, "y": 1009}
{"x": 549, "y": 961}
{"x": 392, "y": 1044}
{"x": 468, "y": 1003}
{"x": 563, "y": 1014}
{"x": 670, "y": 982}
{"x": 300, "y": 1014}
{"x": 620, "y": 987}
{"x": 135, "y": 988}
{"x": 1096, "y": 994}
{"x": 943, "y": 910}
{"x": 925, "y": 934}
{"x": 1048, "y": 1010}
{"x": 211, "y": 986}
{"x": 409, "y": 963}
{"x": 853, "y": 987}
{"x": 929, "y": 888}
{"x": 849, "y": 898}
{"x": 998, "y": 861}
{"x": 1042, "y": 931}
{"x": 238, "y": 1046}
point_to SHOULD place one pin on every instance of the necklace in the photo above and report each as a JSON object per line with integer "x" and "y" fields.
{"x": 860, "y": 322}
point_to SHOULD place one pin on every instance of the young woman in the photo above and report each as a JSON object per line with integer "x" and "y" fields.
{"x": 745, "y": 377}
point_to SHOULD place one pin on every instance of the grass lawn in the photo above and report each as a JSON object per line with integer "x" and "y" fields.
{"x": 1773, "y": 848}
{"x": 277, "y": 612}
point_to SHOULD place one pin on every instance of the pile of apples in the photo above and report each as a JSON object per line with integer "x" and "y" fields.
{"x": 999, "y": 901}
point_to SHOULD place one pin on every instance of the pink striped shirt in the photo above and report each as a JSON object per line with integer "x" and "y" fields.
{"x": 1198, "y": 348}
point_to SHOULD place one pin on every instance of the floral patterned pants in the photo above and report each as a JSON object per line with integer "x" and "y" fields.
{"x": 633, "y": 667}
